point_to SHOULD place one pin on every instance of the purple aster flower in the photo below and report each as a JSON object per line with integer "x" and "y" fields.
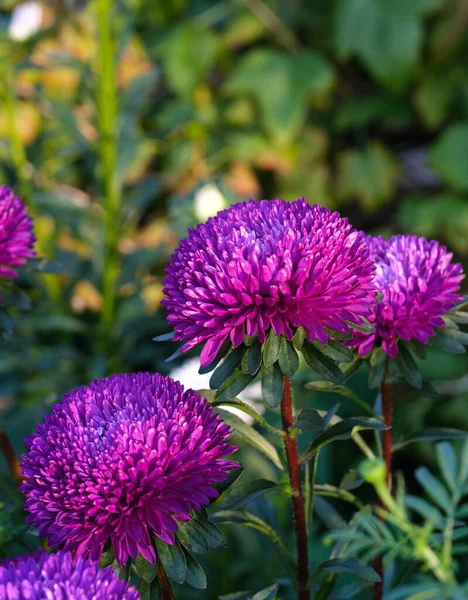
{"x": 45, "y": 576}
{"x": 419, "y": 284}
{"x": 267, "y": 264}
{"x": 122, "y": 459}
{"x": 16, "y": 235}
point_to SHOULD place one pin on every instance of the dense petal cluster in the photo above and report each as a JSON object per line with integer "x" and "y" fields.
{"x": 16, "y": 235}
{"x": 419, "y": 284}
{"x": 59, "y": 576}
{"x": 123, "y": 459}
{"x": 267, "y": 264}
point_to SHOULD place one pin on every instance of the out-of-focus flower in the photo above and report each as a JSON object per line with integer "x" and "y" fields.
{"x": 26, "y": 20}
{"x": 43, "y": 576}
{"x": 188, "y": 375}
{"x": 16, "y": 235}
{"x": 208, "y": 201}
{"x": 419, "y": 284}
{"x": 268, "y": 264}
{"x": 121, "y": 460}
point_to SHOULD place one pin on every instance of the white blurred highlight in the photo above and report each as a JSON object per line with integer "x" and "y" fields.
{"x": 189, "y": 377}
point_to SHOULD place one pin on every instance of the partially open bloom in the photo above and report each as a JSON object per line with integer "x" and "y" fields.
{"x": 267, "y": 264}
{"x": 16, "y": 235}
{"x": 121, "y": 460}
{"x": 59, "y": 576}
{"x": 419, "y": 284}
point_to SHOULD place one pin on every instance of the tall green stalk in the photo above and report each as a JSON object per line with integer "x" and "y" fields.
{"x": 107, "y": 120}
{"x": 18, "y": 152}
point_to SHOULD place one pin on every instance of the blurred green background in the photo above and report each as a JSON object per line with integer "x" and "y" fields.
{"x": 359, "y": 105}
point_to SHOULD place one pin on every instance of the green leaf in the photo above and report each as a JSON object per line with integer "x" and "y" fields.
{"x": 227, "y": 367}
{"x": 338, "y": 335}
{"x": 145, "y": 569}
{"x": 459, "y": 317}
{"x": 309, "y": 420}
{"x": 427, "y": 511}
{"x": 7, "y": 324}
{"x": 387, "y": 36}
{"x": 252, "y": 437}
{"x": 272, "y": 385}
{"x": 298, "y": 338}
{"x": 433, "y": 488}
{"x": 325, "y": 386}
{"x": 255, "y": 358}
{"x": 408, "y": 367}
{"x": 297, "y": 78}
{"x": 244, "y": 492}
{"x": 448, "y": 464}
{"x": 334, "y": 350}
{"x": 194, "y": 576}
{"x": 322, "y": 364}
{"x": 213, "y": 535}
{"x": 288, "y": 358}
{"x": 233, "y": 386}
{"x": 370, "y": 175}
{"x": 271, "y": 349}
{"x": 449, "y": 156}
{"x": 150, "y": 591}
{"x": 268, "y": 593}
{"x": 343, "y": 430}
{"x": 172, "y": 558}
{"x": 107, "y": 557}
{"x": 447, "y": 344}
{"x": 350, "y": 565}
{"x": 431, "y": 434}
{"x": 191, "y": 535}
{"x": 222, "y": 486}
{"x": 247, "y": 409}
{"x": 365, "y": 327}
{"x": 184, "y": 68}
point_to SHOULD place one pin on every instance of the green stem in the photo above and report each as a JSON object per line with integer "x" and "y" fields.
{"x": 107, "y": 117}
{"x": 18, "y": 152}
{"x": 309, "y": 489}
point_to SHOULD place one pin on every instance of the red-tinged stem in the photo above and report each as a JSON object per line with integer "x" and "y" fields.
{"x": 387, "y": 410}
{"x": 9, "y": 453}
{"x": 294, "y": 468}
{"x": 166, "y": 589}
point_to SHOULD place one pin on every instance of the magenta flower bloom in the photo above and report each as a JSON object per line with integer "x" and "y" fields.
{"x": 267, "y": 264}
{"x": 123, "y": 459}
{"x": 419, "y": 284}
{"x": 43, "y": 576}
{"x": 16, "y": 235}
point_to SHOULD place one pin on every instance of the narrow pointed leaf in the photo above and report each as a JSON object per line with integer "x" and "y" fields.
{"x": 252, "y": 437}
{"x": 272, "y": 385}
{"x": 271, "y": 349}
{"x": 145, "y": 569}
{"x": 288, "y": 358}
{"x": 233, "y": 386}
{"x": 172, "y": 558}
{"x": 320, "y": 363}
{"x": 227, "y": 367}
{"x": 194, "y": 576}
{"x": 342, "y": 431}
{"x": 246, "y": 491}
{"x": 334, "y": 350}
{"x": 408, "y": 367}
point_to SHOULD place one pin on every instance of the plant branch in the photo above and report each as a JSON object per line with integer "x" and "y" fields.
{"x": 10, "y": 455}
{"x": 107, "y": 117}
{"x": 166, "y": 589}
{"x": 294, "y": 468}
{"x": 387, "y": 450}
